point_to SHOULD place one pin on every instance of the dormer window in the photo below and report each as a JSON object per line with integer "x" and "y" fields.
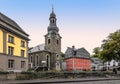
{"x": 74, "y": 52}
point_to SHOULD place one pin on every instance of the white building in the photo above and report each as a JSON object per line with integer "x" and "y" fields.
{"x": 111, "y": 64}
{"x": 96, "y": 64}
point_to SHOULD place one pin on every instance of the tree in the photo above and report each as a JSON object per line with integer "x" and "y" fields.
{"x": 62, "y": 56}
{"x": 96, "y": 52}
{"x": 111, "y": 47}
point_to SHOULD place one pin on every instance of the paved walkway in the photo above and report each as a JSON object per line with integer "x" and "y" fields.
{"x": 48, "y": 81}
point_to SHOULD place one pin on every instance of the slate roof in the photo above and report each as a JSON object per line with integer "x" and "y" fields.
{"x": 81, "y": 53}
{"x": 37, "y": 48}
{"x": 96, "y": 60}
{"x": 10, "y": 22}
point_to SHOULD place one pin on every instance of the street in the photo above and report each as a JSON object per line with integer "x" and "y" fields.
{"x": 94, "y": 82}
{"x": 65, "y": 81}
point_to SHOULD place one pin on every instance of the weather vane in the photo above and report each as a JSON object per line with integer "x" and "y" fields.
{"x": 52, "y": 5}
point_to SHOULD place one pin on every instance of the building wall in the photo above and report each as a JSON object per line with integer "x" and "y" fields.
{"x": 1, "y": 41}
{"x": 17, "y": 66}
{"x": 53, "y": 46}
{"x": 4, "y": 57}
{"x": 16, "y": 45}
{"x": 3, "y": 62}
{"x": 41, "y": 57}
{"x": 17, "y": 63}
{"x": 78, "y": 64}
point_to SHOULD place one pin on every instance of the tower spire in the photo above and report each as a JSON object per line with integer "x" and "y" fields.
{"x": 52, "y": 26}
{"x": 52, "y": 8}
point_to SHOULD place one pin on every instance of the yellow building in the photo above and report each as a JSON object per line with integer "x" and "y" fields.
{"x": 13, "y": 46}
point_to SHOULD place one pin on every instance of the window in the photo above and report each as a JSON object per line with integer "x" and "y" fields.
{"x": 74, "y": 52}
{"x": 22, "y": 53}
{"x": 31, "y": 59}
{"x": 10, "y": 50}
{"x": 10, "y": 63}
{"x": 53, "y": 21}
{"x": 118, "y": 64}
{"x": 57, "y": 41}
{"x": 57, "y": 56}
{"x": 22, "y": 64}
{"x": 22, "y": 44}
{"x": 36, "y": 60}
{"x": 48, "y": 41}
{"x": 10, "y": 39}
{"x": 48, "y": 61}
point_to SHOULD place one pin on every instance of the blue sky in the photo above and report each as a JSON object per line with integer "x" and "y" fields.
{"x": 83, "y": 23}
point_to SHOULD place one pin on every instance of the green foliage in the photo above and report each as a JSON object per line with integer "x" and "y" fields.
{"x": 26, "y": 76}
{"x": 62, "y": 56}
{"x": 110, "y": 49}
{"x": 2, "y": 72}
{"x": 111, "y": 46}
{"x": 96, "y": 52}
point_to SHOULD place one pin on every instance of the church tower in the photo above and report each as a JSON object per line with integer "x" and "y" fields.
{"x": 53, "y": 42}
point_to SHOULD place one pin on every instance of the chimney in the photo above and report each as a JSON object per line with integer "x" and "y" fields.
{"x": 73, "y": 47}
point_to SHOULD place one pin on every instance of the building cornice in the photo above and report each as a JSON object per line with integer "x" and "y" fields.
{"x": 77, "y": 58}
{"x": 13, "y": 31}
{"x": 13, "y": 56}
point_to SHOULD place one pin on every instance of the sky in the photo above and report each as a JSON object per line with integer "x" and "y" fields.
{"x": 82, "y": 23}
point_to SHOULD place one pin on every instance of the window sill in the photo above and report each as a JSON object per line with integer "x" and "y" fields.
{"x": 11, "y": 43}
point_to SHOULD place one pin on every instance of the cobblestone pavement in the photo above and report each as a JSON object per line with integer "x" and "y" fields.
{"x": 95, "y": 82}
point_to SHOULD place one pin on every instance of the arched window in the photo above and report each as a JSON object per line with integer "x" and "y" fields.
{"x": 31, "y": 59}
{"x": 37, "y": 60}
{"x": 57, "y": 56}
{"x": 57, "y": 41}
{"x": 48, "y": 41}
{"x": 48, "y": 61}
{"x": 53, "y": 21}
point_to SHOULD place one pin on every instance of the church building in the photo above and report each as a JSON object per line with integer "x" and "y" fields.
{"x": 47, "y": 56}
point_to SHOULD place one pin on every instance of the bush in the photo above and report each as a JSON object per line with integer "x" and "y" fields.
{"x": 2, "y": 72}
{"x": 27, "y": 76}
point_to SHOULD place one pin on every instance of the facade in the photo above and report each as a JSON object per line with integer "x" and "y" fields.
{"x": 13, "y": 46}
{"x": 96, "y": 64}
{"x": 49, "y": 53}
{"x": 77, "y": 59}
